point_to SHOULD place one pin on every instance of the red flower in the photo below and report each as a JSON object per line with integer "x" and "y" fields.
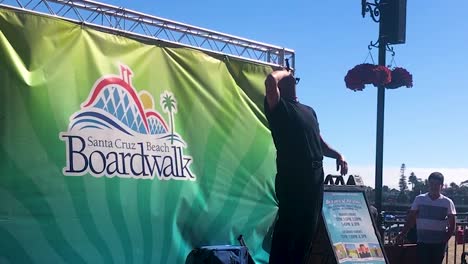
{"x": 400, "y": 77}
{"x": 382, "y": 76}
{"x": 378, "y": 75}
{"x": 359, "y": 76}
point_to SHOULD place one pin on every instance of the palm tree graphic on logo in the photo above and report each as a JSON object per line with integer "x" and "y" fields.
{"x": 169, "y": 106}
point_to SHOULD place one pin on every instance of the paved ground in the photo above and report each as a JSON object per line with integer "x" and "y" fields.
{"x": 451, "y": 252}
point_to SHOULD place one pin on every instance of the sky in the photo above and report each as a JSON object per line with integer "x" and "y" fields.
{"x": 425, "y": 126}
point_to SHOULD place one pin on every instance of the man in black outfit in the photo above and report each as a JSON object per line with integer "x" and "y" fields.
{"x": 299, "y": 179}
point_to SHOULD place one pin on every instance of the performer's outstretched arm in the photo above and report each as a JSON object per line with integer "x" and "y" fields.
{"x": 328, "y": 151}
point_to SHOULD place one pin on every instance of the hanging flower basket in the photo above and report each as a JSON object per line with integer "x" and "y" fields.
{"x": 378, "y": 75}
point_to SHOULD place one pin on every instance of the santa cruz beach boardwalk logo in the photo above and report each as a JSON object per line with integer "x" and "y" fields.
{"x": 118, "y": 132}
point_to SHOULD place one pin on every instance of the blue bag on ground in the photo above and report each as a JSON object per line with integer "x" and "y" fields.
{"x": 218, "y": 255}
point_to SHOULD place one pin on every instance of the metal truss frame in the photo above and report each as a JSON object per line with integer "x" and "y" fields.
{"x": 121, "y": 21}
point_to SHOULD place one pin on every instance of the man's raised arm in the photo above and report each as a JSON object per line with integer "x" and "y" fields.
{"x": 271, "y": 87}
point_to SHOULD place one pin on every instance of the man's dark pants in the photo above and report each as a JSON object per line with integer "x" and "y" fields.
{"x": 431, "y": 253}
{"x": 295, "y": 230}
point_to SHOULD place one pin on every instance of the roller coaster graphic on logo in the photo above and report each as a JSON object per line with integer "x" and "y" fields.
{"x": 117, "y": 132}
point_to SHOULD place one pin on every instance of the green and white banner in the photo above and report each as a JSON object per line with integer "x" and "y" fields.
{"x": 118, "y": 151}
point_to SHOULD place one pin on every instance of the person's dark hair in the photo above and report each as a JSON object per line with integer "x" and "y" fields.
{"x": 437, "y": 176}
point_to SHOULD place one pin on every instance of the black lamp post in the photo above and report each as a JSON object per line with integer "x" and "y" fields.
{"x": 391, "y": 16}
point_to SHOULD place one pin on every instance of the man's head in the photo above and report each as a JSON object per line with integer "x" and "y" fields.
{"x": 436, "y": 181}
{"x": 287, "y": 87}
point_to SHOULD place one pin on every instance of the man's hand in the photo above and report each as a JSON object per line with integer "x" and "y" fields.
{"x": 400, "y": 238}
{"x": 342, "y": 165}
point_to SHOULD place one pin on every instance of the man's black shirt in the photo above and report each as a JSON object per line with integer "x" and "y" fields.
{"x": 296, "y": 135}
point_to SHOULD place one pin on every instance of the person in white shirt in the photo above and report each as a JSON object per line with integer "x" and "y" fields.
{"x": 434, "y": 216}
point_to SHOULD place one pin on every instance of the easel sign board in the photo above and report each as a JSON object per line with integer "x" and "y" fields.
{"x": 351, "y": 231}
